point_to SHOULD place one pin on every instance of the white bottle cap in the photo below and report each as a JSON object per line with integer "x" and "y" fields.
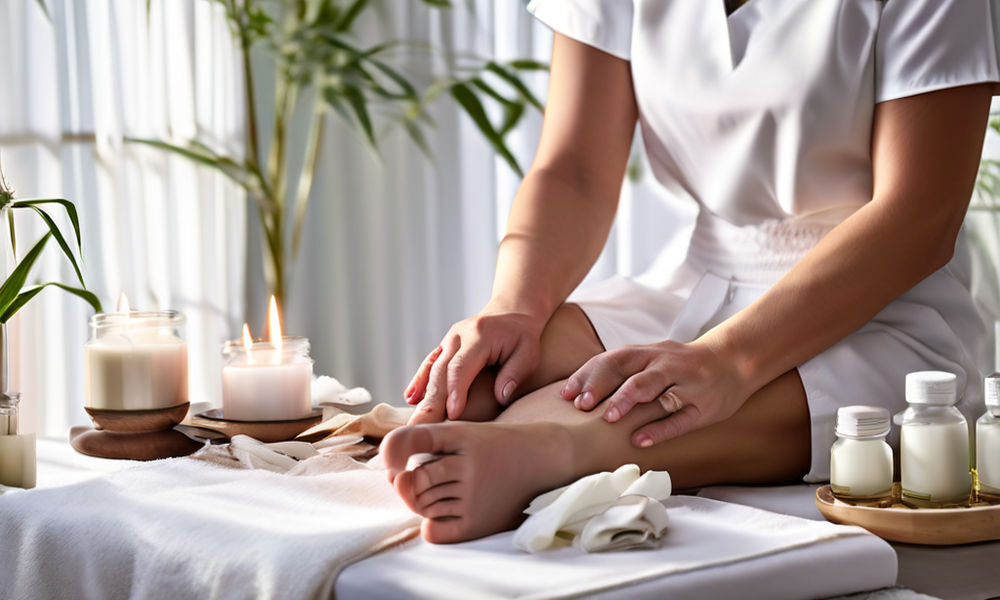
{"x": 862, "y": 421}
{"x": 931, "y": 387}
{"x": 993, "y": 390}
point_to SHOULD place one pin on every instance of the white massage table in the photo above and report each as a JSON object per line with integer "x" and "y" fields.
{"x": 490, "y": 568}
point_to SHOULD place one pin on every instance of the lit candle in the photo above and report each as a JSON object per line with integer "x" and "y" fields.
{"x": 136, "y": 360}
{"x": 267, "y": 381}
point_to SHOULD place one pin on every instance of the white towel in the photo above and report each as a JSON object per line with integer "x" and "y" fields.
{"x": 183, "y": 528}
{"x": 564, "y": 514}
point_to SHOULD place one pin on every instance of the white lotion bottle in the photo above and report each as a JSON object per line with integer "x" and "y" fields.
{"x": 17, "y": 451}
{"x": 860, "y": 459}
{"x": 988, "y": 441}
{"x": 934, "y": 443}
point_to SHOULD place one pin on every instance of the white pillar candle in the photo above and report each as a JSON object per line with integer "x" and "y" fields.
{"x": 266, "y": 392}
{"x": 267, "y": 381}
{"x": 136, "y": 361}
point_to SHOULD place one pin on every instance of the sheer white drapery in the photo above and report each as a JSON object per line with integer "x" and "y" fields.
{"x": 394, "y": 252}
{"x": 154, "y": 226}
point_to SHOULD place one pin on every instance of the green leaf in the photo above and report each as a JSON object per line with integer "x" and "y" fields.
{"x": 417, "y": 135}
{"x": 54, "y": 230}
{"x": 360, "y": 107}
{"x": 15, "y": 281}
{"x": 467, "y": 99}
{"x": 202, "y": 155}
{"x": 348, "y": 17}
{"x": 74, "y": 219}
{"x": 26, "y": 296}
{"x": 512, "y": 114}
{"x": 491, "y": 92}
{"x": 526, "y": 64}
{"x": 515, "y": 82}
{"x": 13, "y": 235}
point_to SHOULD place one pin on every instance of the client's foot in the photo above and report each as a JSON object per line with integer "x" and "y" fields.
{"x": 487, "y": 476}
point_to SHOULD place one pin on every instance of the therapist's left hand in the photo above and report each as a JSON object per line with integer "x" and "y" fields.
{"x": 691, "y": 381}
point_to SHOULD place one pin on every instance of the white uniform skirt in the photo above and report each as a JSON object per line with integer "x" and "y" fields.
{"x": 933, "y": 326}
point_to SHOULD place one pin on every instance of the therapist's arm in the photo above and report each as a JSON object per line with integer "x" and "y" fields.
{"x": 925, "y": 154}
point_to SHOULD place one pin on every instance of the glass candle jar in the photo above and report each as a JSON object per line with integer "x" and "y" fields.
{"x": 860, "y": 459}
{"x": 17, "y": 450}
{"x": 934, "y": 443}
{"x": 988, "y": 441}
{"x": 262, "y": 381}
{"x": 136, "y": 360}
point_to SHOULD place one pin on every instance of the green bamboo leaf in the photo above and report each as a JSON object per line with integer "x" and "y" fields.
{"x": 74, "y": 218}
{"x": 526, "y": 64}
{"x": 403, "y": 83}
{"x": 348, "y": 16}
{"x": 54, "y": 230}
{"x": 512, "y": 114}
{"x": 467, "y": 99}
{"x": 438, "y": 3}
{"x": 491, "y": 92}
{"x": 13, "y": 235}
{"x": 515, "y": 82}
{"x": 360, "y": 107}
{"x": 15, "y": 281}
{"x": 202, "y": 156}
{"x": 417, "y": 135}
{"x": 26, "y": 296}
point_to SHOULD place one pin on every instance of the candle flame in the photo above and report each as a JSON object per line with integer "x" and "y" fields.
{"x": 247, "y": 342}
{"x": 123, "y": 306}
{"x": 274, "y": 330}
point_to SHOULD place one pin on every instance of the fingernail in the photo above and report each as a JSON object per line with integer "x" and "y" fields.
{"x": 643, "y": 440}
{"x": 508, "y": 389}
{"x": 612, "y": 414}
{"x": 452, "y": 403}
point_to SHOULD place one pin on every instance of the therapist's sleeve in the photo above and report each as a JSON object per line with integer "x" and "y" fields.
{"x": 603, "y": 24}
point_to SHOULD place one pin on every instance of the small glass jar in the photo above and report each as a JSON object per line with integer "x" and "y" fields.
{"x": 860, "y": 459}
{"x": 988, "y": 442}
{"x": 17, "y": 450}
{"x": 262, "y": 381}
{"x": 934, "y": 443}
{"x": 136, "y": 360}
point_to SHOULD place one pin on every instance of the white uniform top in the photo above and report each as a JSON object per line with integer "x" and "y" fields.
{"x": 764, "y": 118}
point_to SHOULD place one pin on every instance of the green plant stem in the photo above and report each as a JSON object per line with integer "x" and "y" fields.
{"x": 306, "y": 177}
{"x": 251, "y": 104}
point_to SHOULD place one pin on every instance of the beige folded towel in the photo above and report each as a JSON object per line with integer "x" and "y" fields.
{"x": 563, "y": 515}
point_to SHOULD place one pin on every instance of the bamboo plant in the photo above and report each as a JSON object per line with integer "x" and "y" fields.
{"x": 15, "y": 291}
{"x": 321, "y": 66}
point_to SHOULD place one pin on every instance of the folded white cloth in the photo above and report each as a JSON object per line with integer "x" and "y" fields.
{"x": 562, "y": 515}
{"x": 183, "y": 528}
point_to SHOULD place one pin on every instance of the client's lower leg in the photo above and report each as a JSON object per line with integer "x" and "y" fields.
{"x": 490, "y": 471}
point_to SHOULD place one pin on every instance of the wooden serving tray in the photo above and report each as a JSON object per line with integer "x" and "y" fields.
{"x": 891, "y": 520}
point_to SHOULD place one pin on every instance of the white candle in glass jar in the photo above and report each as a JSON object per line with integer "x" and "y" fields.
{"x": 136, "y": 360}
{"x": 269, "y": 381}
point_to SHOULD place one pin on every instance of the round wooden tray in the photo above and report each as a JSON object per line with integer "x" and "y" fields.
{"x": 265, "y": 431}
{"x": 890, "y": 520}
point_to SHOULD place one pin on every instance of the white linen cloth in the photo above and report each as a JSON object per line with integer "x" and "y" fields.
{"x": 599, "y": 512}
{"x": 762, "y": 119}
{"x": 184, "y": 528}
{"x": 711, "y": 550}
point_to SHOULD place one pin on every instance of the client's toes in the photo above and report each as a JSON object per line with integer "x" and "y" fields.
{"x": 401, "y": 443}
{"x": 446, "y": 530}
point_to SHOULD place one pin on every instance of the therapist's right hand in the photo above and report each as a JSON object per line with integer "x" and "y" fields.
{"x": 507, "y": 340}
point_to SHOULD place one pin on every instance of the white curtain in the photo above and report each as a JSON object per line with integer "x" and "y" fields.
{"x": 393, "y": 252}
{"x": 154, "y": 226}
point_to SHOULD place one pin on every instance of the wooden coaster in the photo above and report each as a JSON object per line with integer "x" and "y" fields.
{"x": 146, "y": 445}
{"x": 132, "y": 421}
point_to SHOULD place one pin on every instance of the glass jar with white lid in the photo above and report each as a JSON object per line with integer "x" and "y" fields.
{"x": 988, "y": 441}
{"x": 860, "y": 459}
{"x": 934, "y": 442}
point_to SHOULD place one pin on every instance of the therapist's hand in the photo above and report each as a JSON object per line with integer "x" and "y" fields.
{"x": 507, "y": 340}
{"x": 691, "y": 381}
